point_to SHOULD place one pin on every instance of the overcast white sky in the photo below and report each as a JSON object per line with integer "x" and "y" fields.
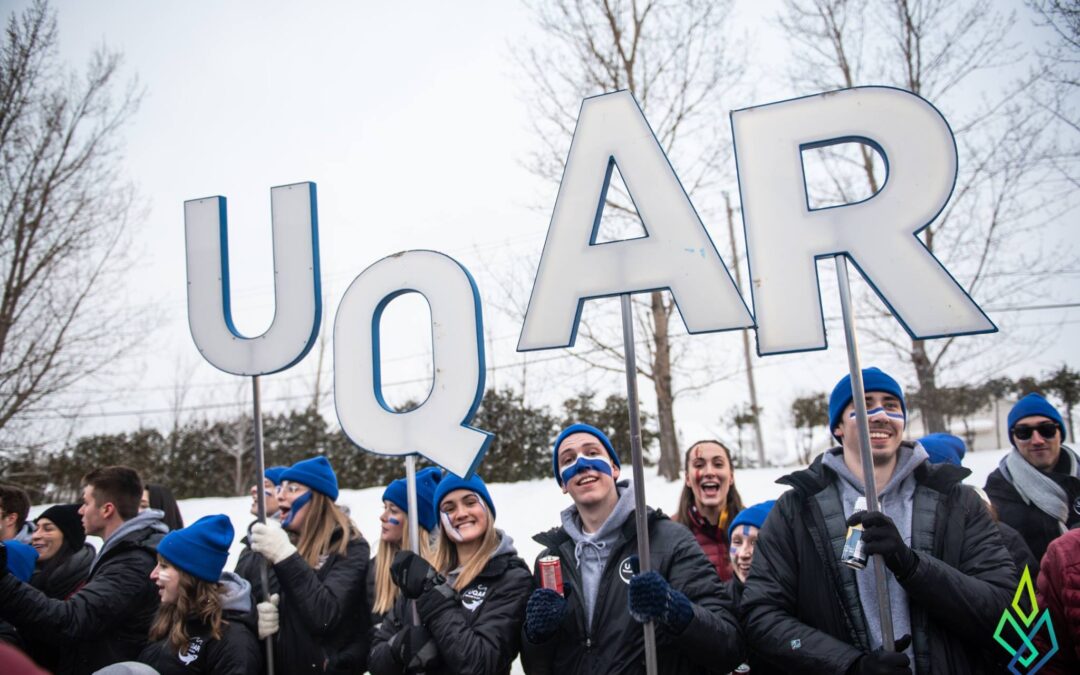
{"x": 408, "y": 116}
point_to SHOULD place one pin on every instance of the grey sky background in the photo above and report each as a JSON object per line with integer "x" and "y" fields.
{"x": 409, "y": 118}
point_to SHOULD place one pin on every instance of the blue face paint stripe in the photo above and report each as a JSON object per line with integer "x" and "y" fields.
{"x": 298, "y": 503}
{"x": 393, "y": 521}
{"x": 746, "y": 530}
{"x": 582, "y": 464}
{"x": 878, "y": 411}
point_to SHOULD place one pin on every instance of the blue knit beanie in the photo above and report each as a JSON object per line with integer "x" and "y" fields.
{"x": 20, "y": 559}
{"x": 752, "y": 515}
{"x": 200, "y": 549}
{"x": 426, "y": 482}
{"x": 451, "y": 482}
{"x": 873, "y": 380}
{"x": 1035, "y": 404}
{"x": 581, "y": 429}
{"x": 944, "y": 448}
{"x": 315, "y": 473}
{"x": 273, "y": 474}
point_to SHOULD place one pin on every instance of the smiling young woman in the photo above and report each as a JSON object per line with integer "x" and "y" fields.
{"x": 470, "y": 599}
{"x": 709, "y": 501}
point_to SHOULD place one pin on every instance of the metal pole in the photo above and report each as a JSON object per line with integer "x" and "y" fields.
{"x": 858, "y": 397}
{"x": 414, "y": 518}
{"x": 640, "y": 510}
{"x": 260, "y": 476}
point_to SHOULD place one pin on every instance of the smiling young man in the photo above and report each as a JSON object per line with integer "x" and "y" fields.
{"x": 108, "y": 619}
{"x": 1036, "y": 487}
{"x": 947, "y": 573}
{"x": 595, "y": 625}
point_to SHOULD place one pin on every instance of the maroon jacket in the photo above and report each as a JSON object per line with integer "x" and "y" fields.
{"x": 713, "y": 541}
{"x": 1059, "y": 591}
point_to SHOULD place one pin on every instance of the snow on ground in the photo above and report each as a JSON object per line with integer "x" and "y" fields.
{"x": 529, "y": 507}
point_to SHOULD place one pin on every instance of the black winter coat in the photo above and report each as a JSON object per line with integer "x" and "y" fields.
{"x": 801, "y": 607}
{"x": 478, "y": 641}
{"x": 613, "y": 644}
{"x": 325, "y": 614}
{"x": 1038, "y": 528}
{"x": 107, "y": 620}
{"x": 57, "y": 582}
{"x": 236, "y": 653}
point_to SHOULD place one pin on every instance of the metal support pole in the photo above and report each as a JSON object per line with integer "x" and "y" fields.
{"x": 414, "y": 518}
{"x": 640, "y": 510}
{"x": 858, "y": 397}
{"x": 260, "y": 476}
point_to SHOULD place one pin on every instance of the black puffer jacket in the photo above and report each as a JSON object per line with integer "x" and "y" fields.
{"x": 1038, "y": 528}
{"x": 57, "y": 582}
{"x": 108, "y": 619}
{"x": 324, "y": 613}
{"x": 477, "y": 630}
{"x": 801, "y": 607}
{"x": 236, "y": 653}
{"x": 711, "y": 643}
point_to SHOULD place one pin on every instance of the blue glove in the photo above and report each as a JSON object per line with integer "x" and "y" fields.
{"x": 543, "y": 614}
{"x": 651, "y": 598}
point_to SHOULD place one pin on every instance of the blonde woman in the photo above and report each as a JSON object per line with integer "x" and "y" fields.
{"x": 470, "y": 600}
{"x": 205, "y": 623}
{"x": 394, "y": 535}
{"x": 320, "y": 616}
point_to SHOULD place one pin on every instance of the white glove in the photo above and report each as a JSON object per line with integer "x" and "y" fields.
{"x": 271, "y": 541}
{"x": 268, "y": 617}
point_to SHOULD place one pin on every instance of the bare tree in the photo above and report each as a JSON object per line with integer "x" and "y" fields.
{"x": 677, "y": 59}
{"x": 1058, "y": 79}
{"x": 65, "y": 217}
{"x": 945, "y": 51}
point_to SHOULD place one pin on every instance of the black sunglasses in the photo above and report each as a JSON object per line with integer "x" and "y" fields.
{"x": 1047, "y": 430}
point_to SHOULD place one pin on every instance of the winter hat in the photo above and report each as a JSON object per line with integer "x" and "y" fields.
{"x": 426, "y": 482}
{"x": 316, "y": 473}
{"x": 451, "y": 482}
{"x": 752, "y": 515}
{"x": 873, "y": 380}
{"x": 67, "y": 519}
{"x": 944, "y": 448}
{"x": 20, "y": 559}
{"x": 200, "y": 549}
{"x": 579, "y": 429}
{"x": 273, "y": 474}
{"x": 1035, "y": 404}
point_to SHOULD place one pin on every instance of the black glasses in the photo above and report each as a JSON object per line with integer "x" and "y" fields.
{"x": 1047, "y": 430}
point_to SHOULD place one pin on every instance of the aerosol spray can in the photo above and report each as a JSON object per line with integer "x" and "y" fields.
{"x": 551, "y": 573}
{"x": 853, "y": 555}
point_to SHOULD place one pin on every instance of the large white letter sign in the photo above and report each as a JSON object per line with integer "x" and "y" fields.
{"x": 676, "y": 254}
{"x": 438, "y": 429}
{"x": 297, "y": 294}
{"x": 784, "y": 236}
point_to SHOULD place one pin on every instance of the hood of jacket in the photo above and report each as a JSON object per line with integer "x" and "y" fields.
{"x": 148, "y": 522}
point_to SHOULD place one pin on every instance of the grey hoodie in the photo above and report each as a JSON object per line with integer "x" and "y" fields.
{"x": 506, "y": 545}
{"x": 150, "y": 518}
{"x": 236, "y": 592}
{"x": 592, "y": 550}
{"x": 896, "y": 501}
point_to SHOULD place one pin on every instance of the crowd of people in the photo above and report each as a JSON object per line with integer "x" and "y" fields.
{"x": 728, "y": 588}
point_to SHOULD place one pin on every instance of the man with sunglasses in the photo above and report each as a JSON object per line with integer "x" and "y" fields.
{"x": 1036, "y": 487}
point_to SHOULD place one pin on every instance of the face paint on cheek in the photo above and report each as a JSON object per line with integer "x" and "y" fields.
{"x": 449, "y": 529}
{"x": 393, "y": 521}
{"x": 733, "y": 551}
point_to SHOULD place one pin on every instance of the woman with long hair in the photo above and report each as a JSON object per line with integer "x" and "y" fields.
{"x": 322, "y": 616}
{"x": 160, "y": 497}
{"x": 394, "y": 536}
{"x": 205, "y": 623}
{"x": 470, "y": 600}
{"x": 709, "y": 501}
{"x": 63, "y": 564}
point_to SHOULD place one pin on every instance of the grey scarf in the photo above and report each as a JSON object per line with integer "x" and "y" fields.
{"x": 1035, "y": 487}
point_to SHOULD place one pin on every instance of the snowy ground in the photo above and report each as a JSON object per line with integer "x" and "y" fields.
{"x": 527, "y": 508}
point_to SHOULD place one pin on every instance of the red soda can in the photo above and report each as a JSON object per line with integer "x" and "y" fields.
{"x": 551, "y": 573}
